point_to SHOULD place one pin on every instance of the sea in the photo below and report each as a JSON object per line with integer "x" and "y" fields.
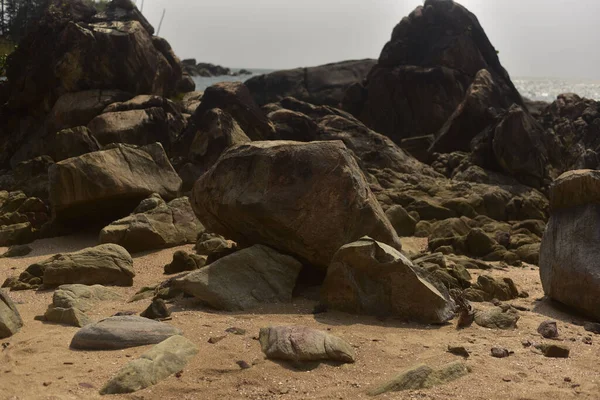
{"x": 541, "y": 89}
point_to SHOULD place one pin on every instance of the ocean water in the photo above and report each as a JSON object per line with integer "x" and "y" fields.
{"x": 543, "y": 89}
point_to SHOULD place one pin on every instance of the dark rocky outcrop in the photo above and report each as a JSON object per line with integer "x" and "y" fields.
{"x": 425, "y": 70}
{"x": 305, "y": 199}
{"x": 322, "y": 85}
{"x": 10, "y": 319}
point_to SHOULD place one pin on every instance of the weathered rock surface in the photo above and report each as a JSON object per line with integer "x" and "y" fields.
{"x": 422, "y": 377}
{"x": 107, "y": 264}
{"x": 122, "y": 332}
{"x": 110, "y": 183}
{"x": 569, "y": 266}
{"x": 73, "y": 142}
{"x": 299, "y": 343}
{"x": 425, "y": 70}
{"x": 183, "y": 261}
{"x": 160, "y": 362}
{"x": 497, "y": 318}
{"x": 488, "y": 288}
{"x": 322, "y": 85}
{"x": 71, "y": 302}
{"x": 368, "y": 277}
{"x": 303, "y": 199}
{"x": 244, "y": 280}
{"x": 10, "y": 319}
{"x": 154, "y": 224}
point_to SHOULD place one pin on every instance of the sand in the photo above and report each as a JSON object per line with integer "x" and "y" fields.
{"x": 38, "y": 364}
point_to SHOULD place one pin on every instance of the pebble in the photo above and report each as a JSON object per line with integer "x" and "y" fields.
{"x": 458, "y": 351}
{"x": 243, "y": 364}
{"x": 499, "y": 352}
{"x": 236, "y": 331}
{"x": 216, "y": 339}
{"x": 548, "y": 329}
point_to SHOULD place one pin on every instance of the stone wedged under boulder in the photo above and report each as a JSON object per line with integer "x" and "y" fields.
{"x": 425, "y": 70}
{"x": 108, "y": 184}
{"x": 106, "y": 264}
{"x": 10, "y": 319}
{"x": 304, "y": 199}
{"x": 71, "y": 302}
{"x": 163, "y": 360}
{"x": 154, "y": 224}
{"x": 569, "y": 267}
{"x": 368, "y": 277}
{"x": 121, "y": 333}
{"x": 322, "y": 85}
{"x": 244, "y": 280}
{"x": 300, "y": 343}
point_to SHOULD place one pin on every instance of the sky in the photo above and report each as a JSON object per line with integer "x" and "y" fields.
{"x": 536, "y": 38}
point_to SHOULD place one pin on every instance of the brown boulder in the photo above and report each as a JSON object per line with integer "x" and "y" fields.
{"x": 305, "y": 199}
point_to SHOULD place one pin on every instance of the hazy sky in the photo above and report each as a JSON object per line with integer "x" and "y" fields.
{"x": 536, "y": 38}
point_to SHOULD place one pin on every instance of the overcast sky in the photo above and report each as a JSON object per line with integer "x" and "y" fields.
{"x": 536, "y": 38}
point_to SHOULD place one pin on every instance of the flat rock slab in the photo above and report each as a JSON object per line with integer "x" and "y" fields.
{"x": 10, "y": 320}
{"x": 497, "y": 318}
{"x": 122, "y": 332}
{"x": 162, "y": 361}
{"x": 244, "y": 280}
{"x": 422, "y": 377}
{"x": 300, "y": 343}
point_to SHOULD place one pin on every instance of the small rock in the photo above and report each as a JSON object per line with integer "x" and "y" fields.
{"x": 497, "y": 318}
{"x": 236, "y": 331}
{"x": 554, "y": 350}
{"x": 17, "y": 251}
{"x": 567, "y": 379}
{"x": 216, "y": 339}
{"x": 243, "y": 364}
{"x": 157, "y": 310}
{"x": 422, "y": 377}
{"x": 548, "y": 330}
{"x": 47, "y": 384}
{"x": 499, "y": 352}
{"x": 587, "y": 340}
{"x": 459, "y": 351}
{"x": 526, "y": 343}
{"x": 593, "y": 327}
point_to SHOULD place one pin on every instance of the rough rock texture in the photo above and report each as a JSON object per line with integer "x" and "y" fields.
{"x": 368, "y": 277}
{"x": 497, "y": 318}
{"x": 73, "y": 142}
{"x": 154, "y": 224}
{"x": 110, "y": 183}
{"x": 422, "y": 377}
{"x": 303, "y": 199}
{"x": 183, "y": 261}
{"x": 107, "y": 264}
{"x": 487, "y": 288}
{"x": 244, "y": 280}
{"x": 160, "y": 362}
{"x": 10, "y": 319}
{"x": 70, "y": 302}
{"x": 425, "y": 70}
{"x": 235, "y": 99}
{"x": 569, "y": 266}
{"x": 299, "y": 343}
{"x": 322, "y": 85}
{"x": 79, "y": 108}
{"x": 122, "y": 332}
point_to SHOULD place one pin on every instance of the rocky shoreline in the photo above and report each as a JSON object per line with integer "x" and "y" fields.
{"x": 388, "y": 225}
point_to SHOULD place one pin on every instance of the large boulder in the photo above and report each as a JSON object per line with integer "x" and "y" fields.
{"x": 569, "y": 266}
{"x": 368, "y": 277}
{"x": 304, "y": 199}
{"x": 154, "y": 224}
{"x": 10, "y": 319}
{"x": 322, "y": 85}
{"x": 425, "y": 70}
{"x": 244, "y": 280}
{"x": 163, "y": 360}
{"x": 72, "y": 142}
{"x": 109, "y": 184}
{"x": 107, "y": 264}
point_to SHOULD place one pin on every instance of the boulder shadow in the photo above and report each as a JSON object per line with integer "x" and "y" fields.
{"x": 559, "y": 311}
